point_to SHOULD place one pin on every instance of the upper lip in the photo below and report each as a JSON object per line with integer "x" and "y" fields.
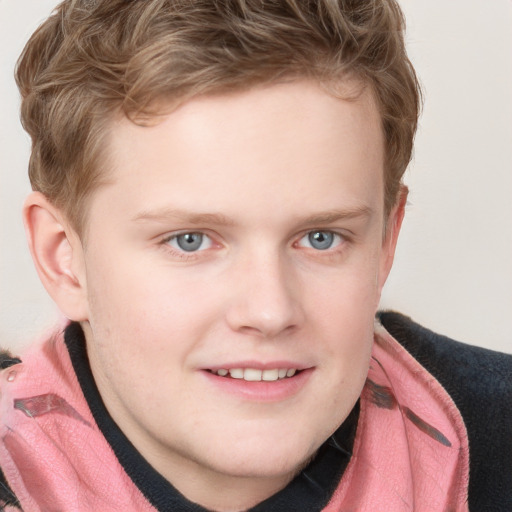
{"x": 258, "y": 365}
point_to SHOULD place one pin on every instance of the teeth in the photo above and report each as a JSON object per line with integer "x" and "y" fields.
{"x": 254, "y": 375}
{"x": 236, "y": 373}
{"x": 270, "y": 374}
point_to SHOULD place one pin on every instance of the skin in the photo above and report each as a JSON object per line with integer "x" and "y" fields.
{"x": 254, "y": 172}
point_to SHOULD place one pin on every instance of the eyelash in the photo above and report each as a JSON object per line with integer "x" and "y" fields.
{"x": 180, "y": 253}
{"x": 184, "y": 255}
{"x": 338, "y": 239}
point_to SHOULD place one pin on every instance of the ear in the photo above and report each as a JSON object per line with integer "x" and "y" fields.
{"x": 58, "y": 255}
{"x": 393, "y": 225}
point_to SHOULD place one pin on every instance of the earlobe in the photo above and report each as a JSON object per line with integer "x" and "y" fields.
{"x": 57, "y": 254}
{"x": 393, "y": 226}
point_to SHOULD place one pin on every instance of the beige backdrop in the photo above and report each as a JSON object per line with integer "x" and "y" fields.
{"x": 453, "y": 270}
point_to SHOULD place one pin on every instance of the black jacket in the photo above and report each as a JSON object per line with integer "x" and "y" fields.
{"x": 480, "y": 383}
{"x": 478, "y": 380}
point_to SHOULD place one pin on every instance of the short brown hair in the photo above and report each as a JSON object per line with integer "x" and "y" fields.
{"x": 92, "y": 59}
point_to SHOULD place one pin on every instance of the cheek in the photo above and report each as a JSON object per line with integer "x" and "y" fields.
{"x": 141, "y": 302}
{"x": 348, "y": 296}
{"x": 344, "y": 313}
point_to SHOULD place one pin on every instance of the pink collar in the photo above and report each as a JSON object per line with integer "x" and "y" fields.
{"x": 410, "y": 452}
{"x": 411, "y": 448}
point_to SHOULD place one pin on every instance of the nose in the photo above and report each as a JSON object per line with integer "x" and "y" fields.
{"x": 266, "y": 297}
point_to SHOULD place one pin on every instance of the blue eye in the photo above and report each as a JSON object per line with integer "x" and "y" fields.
{"x": 190, "y": 242}
{"x": 320, "y": 240}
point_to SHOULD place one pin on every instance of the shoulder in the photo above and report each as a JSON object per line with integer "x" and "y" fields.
{"x": 8, "y": 500}
{"x": 483, "y": 371}
{"x": 32, "y": 387}
{"x": 480, "y": 383}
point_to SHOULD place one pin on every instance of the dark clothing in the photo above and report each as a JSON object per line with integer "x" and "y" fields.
{"x": 478, "y": 380}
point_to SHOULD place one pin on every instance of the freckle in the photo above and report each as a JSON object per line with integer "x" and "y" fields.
{"x": 11, "y": 376}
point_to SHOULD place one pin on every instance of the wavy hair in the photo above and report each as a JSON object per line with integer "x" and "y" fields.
{"x": 93, "y": 59}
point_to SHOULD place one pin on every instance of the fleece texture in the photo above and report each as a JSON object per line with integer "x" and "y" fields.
{"x": 480, "y": 383}
{"x": 404, "y": 447}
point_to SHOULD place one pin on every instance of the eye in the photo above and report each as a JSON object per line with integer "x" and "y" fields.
{"x": 190, "y": 242}
{"x": 320, "y": 240}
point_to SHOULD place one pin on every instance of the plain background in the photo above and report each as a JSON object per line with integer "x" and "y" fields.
{"x": 453, "y": 269}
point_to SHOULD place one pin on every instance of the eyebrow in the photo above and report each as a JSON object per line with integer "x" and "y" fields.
{"x": 330, "y": 216}
{"x": 195, "y": 218}
{"x": 164, "y": 214}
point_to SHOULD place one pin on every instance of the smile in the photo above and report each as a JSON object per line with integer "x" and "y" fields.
{"x": 273, "y": 383}
{"x": 255, "y": 375}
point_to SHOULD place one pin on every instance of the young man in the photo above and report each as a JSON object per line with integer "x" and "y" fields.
{"x": 217, "y": 200}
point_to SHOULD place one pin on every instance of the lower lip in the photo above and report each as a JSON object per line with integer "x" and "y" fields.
{"x": 261, "y": 391}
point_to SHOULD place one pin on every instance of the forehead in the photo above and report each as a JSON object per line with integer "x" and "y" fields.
{"x": 258, "y": 148}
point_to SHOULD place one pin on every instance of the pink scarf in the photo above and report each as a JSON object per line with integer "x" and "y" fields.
{"x": 411, "y": 448}
{"x": 410, "y": 452}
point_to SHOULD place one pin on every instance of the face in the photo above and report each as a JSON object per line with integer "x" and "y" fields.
{"x": 233, "y": 268}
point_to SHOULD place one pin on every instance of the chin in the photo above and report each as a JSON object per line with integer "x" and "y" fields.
{"x": 269, "y": 447}
{"x": 264, "y": 458}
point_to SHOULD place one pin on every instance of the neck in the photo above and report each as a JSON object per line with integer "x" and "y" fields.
{"x": 230, "y": 494}
{"x": 215, "y": 490}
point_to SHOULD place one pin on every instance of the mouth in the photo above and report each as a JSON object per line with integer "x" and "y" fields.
{"x": 266, "y": 383}
{"x": 255, "y": 374}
